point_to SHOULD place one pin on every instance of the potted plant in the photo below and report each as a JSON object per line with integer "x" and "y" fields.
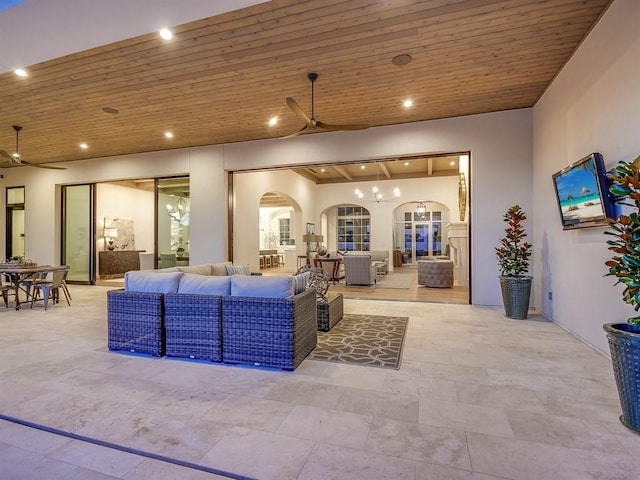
{"x": 624, "y": 242}
{"x": 513, "y": 259}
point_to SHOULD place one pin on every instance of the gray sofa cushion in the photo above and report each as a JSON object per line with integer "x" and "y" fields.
{"x": 204, "y": 269}
{"x": 219, "y": 269}
{"x": 204, "y": 285}
{"x": 259, "y": 286}
{"x": 152, "y": 282}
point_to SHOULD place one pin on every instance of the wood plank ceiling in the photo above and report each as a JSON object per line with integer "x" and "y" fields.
{"x": 221, "y": 79}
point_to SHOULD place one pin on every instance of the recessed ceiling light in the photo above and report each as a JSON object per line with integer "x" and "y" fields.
{"x": 168, "y": 134}
{"x": 20, "y": 72}
{"x": 323, "y": 170}
{"x": 402, "y": 59}
{"x": 84, "y": 145}
{"x": 111, "y": 110}
{"x": 273, "y": 121}
{"x": 362, "y": 167}
{"x": 408, "y": 103}
{"x": 452, "y": 163}
{"x": 406, "y": 164}
{"x": 166, "y": 34}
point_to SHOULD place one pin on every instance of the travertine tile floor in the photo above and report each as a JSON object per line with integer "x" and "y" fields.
{"x": 478, "y": 396}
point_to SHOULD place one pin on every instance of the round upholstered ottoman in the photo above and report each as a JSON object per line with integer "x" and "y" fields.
{"x": 435, "y": 273}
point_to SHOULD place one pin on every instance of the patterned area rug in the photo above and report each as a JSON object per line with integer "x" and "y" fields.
{"x": 371, "y": 340}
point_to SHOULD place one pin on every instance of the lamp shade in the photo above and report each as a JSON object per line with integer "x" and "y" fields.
{"x": 110, "y": 233}
{"x": 309, "y": 237}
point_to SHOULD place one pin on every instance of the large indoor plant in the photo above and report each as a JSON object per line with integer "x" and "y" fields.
{"x": 513, "y": 260}
{"x": 624, "y": 242}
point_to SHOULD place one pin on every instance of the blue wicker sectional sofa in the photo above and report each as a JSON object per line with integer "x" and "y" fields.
{"x": 255, "y": 320}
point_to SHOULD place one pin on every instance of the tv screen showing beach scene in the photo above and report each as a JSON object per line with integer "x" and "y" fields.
{"x": 582, "y": 193}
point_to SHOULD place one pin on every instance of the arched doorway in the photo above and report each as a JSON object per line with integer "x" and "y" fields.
{"x": 278, "y": 227}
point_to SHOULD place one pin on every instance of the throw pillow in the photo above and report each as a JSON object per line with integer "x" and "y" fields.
{"x": 300, "y": 281}
{"x": 152, "y": 281}
{"x": 238, "y": 270}
{"x": 204, "y": 285}
{"x": 255, "y": 286}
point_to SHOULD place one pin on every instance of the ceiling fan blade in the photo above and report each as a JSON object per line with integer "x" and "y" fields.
{"x": 5, "y": 155}
{"x": 39, "y": 165}
{"x": 295, "y": 134}
{"x": 293, "y": 105}
{"x": 328, "y": 126}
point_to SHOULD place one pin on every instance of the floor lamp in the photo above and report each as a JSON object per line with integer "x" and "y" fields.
{"x": 310, "y": 238}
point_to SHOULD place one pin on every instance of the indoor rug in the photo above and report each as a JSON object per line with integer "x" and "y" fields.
{"x": 370, "y": 340}
{"x": 390, "y": 280}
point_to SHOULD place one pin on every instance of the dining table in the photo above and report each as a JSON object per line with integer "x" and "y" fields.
{"x": 21, "y": 276}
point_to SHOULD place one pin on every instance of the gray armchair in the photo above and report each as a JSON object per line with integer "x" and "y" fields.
{"x": 358, "y": 270}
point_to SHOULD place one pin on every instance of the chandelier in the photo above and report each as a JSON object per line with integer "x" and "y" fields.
{"x": 421, "y": 210}
{"x": 377, "y": 195}
{"x": 180, "y": 211}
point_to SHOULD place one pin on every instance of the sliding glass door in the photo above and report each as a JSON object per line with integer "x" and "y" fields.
{"x": 173, "y": 205}
{"x": 78, "y": 232}
{"x": 15, "y": 222}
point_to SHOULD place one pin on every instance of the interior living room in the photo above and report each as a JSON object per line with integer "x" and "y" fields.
{"x": 523, "y": 88}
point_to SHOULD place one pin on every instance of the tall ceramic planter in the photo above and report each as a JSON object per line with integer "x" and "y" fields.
{"x": 624, "y": 343}
{"x": 516, "y": 292}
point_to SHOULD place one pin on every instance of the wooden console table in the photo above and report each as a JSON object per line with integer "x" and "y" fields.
{"x": 118, "y": 262}
{"x": 335, "y": 269}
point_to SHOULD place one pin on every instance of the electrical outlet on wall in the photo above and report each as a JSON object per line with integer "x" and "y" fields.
{"x": 550, "y": 295}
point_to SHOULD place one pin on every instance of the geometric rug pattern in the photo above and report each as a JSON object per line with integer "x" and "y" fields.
{"x": 371, "y": 340}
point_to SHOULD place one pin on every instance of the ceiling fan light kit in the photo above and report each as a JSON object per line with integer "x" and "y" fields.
{"x": 311, "y": 123}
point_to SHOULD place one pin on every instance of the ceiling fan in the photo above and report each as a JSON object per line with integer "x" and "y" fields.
{"x": 311, "y": 122}
{"x": 15, "y": 158}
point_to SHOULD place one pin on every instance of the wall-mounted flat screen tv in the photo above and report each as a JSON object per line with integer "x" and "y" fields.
{"x": 582, "y": 191}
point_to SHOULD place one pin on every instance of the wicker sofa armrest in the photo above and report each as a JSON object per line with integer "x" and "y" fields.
{"x": 135, "y": 322}
{"x": 272, "y": 332}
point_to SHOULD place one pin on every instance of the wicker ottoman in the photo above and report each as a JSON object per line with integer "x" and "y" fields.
{"x": 330, "y": 312}
{"x": 435, "y": 273}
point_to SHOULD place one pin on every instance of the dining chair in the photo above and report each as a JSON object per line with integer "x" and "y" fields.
{"x": 167, "y": 260}
{"x": 6, "y": 289}
{"x": 50, "y": 289}
{"x": 64, "y": 285}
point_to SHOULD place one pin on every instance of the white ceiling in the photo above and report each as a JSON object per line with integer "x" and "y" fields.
{"x": 38, "y": 30}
